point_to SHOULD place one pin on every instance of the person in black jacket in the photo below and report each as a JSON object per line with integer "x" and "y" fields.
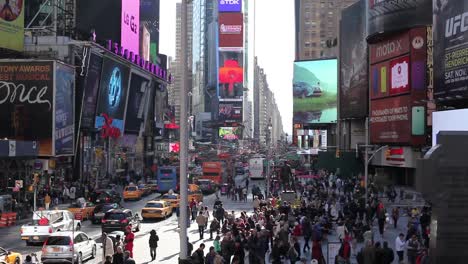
{"x": 388, "y": 254}
{"x": 153, "y": 244}
{"x": 118, "y": 257}
{"x": 198, "y": 256}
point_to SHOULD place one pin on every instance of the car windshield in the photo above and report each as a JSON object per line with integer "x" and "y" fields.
{"x": 114, "y": 216}
{"x": 76, "y": 205}
{"x": 131, "y": 189}
{"x": 58, "y": 241}
{"x": 154, "y": 205}
{"x": 169, "y": 196}
{"x": 105, "y": 207}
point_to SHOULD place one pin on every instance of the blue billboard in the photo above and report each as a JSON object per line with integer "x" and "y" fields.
{"x": 64, "y": 110}
{"x": 230, "y": 5}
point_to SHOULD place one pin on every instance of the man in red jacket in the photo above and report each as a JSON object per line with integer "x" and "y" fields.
{"x": 129, "y": 237}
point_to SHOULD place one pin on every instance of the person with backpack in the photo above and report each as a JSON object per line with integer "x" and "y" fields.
{"x": 153, "y": 244}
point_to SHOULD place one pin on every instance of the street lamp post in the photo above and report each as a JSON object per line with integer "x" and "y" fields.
{"x": 268, "y": 140}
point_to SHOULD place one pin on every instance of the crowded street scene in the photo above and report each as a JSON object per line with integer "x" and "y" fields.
{"x": 233, "y": 131}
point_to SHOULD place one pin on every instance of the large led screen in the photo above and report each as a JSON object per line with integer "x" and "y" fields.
{"x": 231, "y": 75}
{"x": 315, "y": 87}
{"x": 230, "y": 5}
{"x": 231, "y": 30}
{"x": 64, "y": 110}
{"x": 230, "y": 112}
{"x": 113, "y": 93}
{"x": 230, "y": 133}
{"x": 12, "y": 24}
{"x": 138, "y": 103}
{"x": 130, "y": 25}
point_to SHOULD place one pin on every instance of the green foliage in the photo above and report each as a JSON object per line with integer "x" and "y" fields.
{"x": 327, "y": 100}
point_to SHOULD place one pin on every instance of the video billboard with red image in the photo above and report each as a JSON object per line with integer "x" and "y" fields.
{"x": 231, "y": 30}
{"x": 231, "y": 75}
{"x": 130, "y": 25}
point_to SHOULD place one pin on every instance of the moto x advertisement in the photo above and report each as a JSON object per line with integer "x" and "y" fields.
{"x": 113, "y": 93}
{"x": 451, "y": 48}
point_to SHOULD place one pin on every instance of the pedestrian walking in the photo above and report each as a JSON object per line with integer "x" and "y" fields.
{"x": 368, "y": 253}
{"x": 201, "y": 221}
{"x": 206, "y": 214}
{"x": 214, "y": 227}
{"x": 47, "y": 201}
{"x": 107, "y": 246}
{"x": 189, "y": 248}
{"x": 129, "y": 238}
{"x": 153, "y": 244}
{"x": 395, "y": 216}
{"x": 400, "y": 245}
{"x": 108, "y": 260}
{"x": 387, "y": 254}
{"x": 198, "y": 257}
{"x": 210, "y": 256}
{"x": 65, "y": 194}
{"x": 217, "y": 244}
{"x": 128, "y": 258}
{"x": 413, "y": 248}
{"x": 118, "y": 257}
{"x": 193, "y": 209}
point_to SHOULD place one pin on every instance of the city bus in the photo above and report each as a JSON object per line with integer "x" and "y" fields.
{"x": 167, "y": 179}
{"x": 214, "y": 170}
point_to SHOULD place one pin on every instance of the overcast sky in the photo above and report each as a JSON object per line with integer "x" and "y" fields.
{"x": 274, "y": 40}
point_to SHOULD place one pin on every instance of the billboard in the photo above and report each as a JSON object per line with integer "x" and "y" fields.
{"x": 315, "y": 87}
{"x": 231, "y": 75}
{"x": 229, "y": 5}
{"x": 27, "y": 102}
{"x": 353, "y": 63}
{"x": 130, "y": 25}
{"x": 390, "y": 120}
{"x": 12, "y": 24}
{"x": 145, "y": 44}
{"x": 444, "y": 121}
{"x": 391, "y": 15}
{"x": 451, "y": 49}
{"x": 149, "y": 17}
{"x": 113, "y": 93}
{"x": 138, "y": 103}
{"x": 64, "y": 110}
{"x": 231, "y": 30}
{"x": 230, "y": 112}
{"x": 91, "y": 87}
{"x": 230, "y": 133}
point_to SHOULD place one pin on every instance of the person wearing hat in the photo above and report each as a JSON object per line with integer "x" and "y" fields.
{"x": 107, "y": 246}
{"x": 129, "y": 237}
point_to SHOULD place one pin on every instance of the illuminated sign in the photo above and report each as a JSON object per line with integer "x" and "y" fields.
{"x": 130, "y": 25}
{"x": 230, "y": 5}
{"x": 136, "y": 59}
{"x": 115, "y": 88}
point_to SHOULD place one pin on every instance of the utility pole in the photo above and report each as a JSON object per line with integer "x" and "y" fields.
{"x": 366, "y": 159}
{"x": 183, "y": 137}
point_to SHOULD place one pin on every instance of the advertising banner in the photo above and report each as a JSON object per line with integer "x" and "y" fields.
{"x": 230, "y": 5}
{"x": 113, "y": 93}
{"x": 230, "y": 112}
{"x": 91, "y": 88}
{"x": 138, "y": 103}
{"x": 12, "y": 24}
{"x": 230, "y": 133}
{"x": 390, "y": 48}
{"x": 145, "y": 44}
{"x": 399, "y": 75}
{"x": 315, "y": 88}
{"x": 149, "y": 17}
{"x": 231, "y": 30}
{"x": 353, "y": 62}
{"x": 64, "y": 109}
{"x": 130, "y": 25}
{"x": 391, "y": 15}
{"x": 27, "y": 102}
{"x": 451, "y": 48}
{"x": 390, "y": 120}
{"x": 231, "y": 75}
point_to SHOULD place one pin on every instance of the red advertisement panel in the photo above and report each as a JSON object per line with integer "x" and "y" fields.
{"x": 399, "y": 75}
{"x": 380, "y": 80}
{"x": 390, "y": 120}
{"x": 231, "y": 30}
{"x": 390, "y": 48}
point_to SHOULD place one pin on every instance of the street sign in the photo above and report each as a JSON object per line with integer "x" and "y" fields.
{"x": 19, "y": 184}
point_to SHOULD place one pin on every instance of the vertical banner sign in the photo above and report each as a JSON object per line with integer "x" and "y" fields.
{"x": 64, "y": 110}
{"x": 149, "y": 17}
{"x": 12, "y": 24}
{"x": 130, "y": 25}
{"x": 431, "y": 106}
{"x": 231, "y": 75}
{"x": 137, "y": 102}
{"x": 451, "y": 49}
{"x": 91, "y": 88}
{"x": 231, "y": 30}
{"x": 27, "y": 102}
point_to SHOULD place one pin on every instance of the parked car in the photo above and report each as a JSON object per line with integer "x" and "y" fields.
{"x": 206, "y": 186}
{"x": 105, "y": 196}
{"x": 153, "y": 185}
{"x": 120, "y": 219}
{"x": 85, "y": 210}
{"x": 101, "y": 209}
{"x": 156, "y": 209}
{"x": 9, "y": 257}
{"x": 144, "y": 189}
{"x": 46, "y": 222}
{"x": 132, "y": 192}
{"x": 68, "y": 247}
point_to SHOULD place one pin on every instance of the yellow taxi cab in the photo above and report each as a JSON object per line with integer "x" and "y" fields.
{"x": 82, "y": 211}
{"x": 131, "y": 192}
{"x": 156, "y": 209}
{"x": 194, "y": 192}
{"x": 172, "y": 198}
{"x": 9, "y": 257}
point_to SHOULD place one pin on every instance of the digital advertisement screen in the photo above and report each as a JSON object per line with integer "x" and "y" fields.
{"x": 315, "y": 88}
{"x": 230, "y": 5}
{"x": 231, "y": 30}
{"x": 27, "y": 102}
{"x": 91, "y": 88}
{"x": 230, "y": 133}
{"x": 12, "y": 24}
{"x": 353, "y": 62}
{"x": 149, "y": 16}
{"x": 64, "y": 110}
{"x": 450, "y": 48}
{"x": 130, "y": 25}
{"x": 138, "y": 100}
{"x": 231, "y": 75}
{"x": 145, "y": 44}
{"x": 113, "y": 93}
{"x": 230, "y": 112}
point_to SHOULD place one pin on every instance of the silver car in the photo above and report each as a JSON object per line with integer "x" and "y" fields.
{"x": 68, "y": 247}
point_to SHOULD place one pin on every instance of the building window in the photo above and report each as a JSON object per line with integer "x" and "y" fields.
{"x": 307, "y": 53}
